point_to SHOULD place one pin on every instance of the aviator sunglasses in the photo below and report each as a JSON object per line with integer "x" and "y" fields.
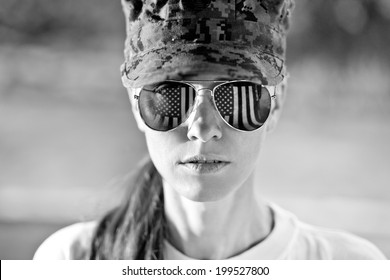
{"x": 243, "y": 105}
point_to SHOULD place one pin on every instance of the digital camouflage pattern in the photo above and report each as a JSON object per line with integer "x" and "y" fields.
{"x": 178, "y": 39}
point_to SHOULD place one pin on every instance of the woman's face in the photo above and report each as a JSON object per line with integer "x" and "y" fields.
{"x": 204, "y": 159}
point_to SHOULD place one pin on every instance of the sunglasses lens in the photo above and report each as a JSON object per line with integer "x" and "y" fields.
{"x": 166, "y": 105}
{"x": 243, "y": 105}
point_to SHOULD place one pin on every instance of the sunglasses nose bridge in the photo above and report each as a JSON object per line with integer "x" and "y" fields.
{"x": 202, "y": 96}
{"x": 203, "y": 91}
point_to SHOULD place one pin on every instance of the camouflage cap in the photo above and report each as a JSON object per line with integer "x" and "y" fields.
{"x": 228, "y": 39}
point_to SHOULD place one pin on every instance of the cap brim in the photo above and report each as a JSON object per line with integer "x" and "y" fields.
{"x": 195, "y": 61}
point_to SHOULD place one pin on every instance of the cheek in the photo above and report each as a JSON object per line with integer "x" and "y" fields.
{"x": 156, "y": 146}
{"x": 251, "y": 146}
{"x": 161, "y": 147}
{"x": 247, "y": 152}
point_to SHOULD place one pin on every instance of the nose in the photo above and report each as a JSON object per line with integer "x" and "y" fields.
{"x": 204, "y": 123}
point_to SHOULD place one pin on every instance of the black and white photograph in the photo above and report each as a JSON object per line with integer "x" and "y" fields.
{"x": 194, "y": 130}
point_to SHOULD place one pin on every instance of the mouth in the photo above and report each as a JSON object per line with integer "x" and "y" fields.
{"x": 204, "y": 164}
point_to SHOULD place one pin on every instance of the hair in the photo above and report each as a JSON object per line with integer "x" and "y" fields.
{"x": 135, "y": 230}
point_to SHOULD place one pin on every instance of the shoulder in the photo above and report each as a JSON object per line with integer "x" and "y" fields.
{"x": 71, "y": 242}
{"x": 334, "y": 244}
{"x": 307, "y": 241}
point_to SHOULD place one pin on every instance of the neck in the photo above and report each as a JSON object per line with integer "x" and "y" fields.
{"x": 219, "y": 229}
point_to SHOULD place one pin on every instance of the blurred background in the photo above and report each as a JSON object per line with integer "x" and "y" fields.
{"x": 67, "y": 135}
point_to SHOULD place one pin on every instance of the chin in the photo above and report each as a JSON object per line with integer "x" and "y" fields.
{"x": 203, "y": 192}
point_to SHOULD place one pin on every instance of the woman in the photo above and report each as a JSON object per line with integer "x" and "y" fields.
{"x": 206, "y": 80}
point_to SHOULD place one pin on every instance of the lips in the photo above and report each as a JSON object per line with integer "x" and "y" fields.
{"x": 204, "y": 161}
{"x": 204, "y": 164}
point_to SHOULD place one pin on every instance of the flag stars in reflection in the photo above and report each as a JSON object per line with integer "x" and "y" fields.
{"x": 224, "y": 101}
{"x": 168, "y": 103}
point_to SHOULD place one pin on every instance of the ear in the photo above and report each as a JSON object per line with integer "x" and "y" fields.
{"x": 134, "y": 106}
{"x": 277, "y": 105}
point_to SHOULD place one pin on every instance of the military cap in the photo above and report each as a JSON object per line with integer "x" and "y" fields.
{"x": 229, "y": 39}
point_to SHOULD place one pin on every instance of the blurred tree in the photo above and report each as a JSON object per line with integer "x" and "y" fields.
{"x": 341, "y": 28}
{"x": 42, "y": 20}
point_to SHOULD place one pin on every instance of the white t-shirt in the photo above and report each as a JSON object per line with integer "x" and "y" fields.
{"x": 289, "y": 239}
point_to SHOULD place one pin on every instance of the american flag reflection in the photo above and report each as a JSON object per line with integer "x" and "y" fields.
{"x": 172, "y": 105}
{"x": 242, "y": 105}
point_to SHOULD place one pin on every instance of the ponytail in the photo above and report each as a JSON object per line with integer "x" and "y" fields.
{"x": 135, "y": 229}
